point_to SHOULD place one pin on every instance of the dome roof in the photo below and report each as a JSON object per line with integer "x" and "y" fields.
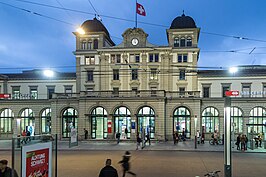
{"x": 183, "y": 21}
{"x": 94, "y": 26}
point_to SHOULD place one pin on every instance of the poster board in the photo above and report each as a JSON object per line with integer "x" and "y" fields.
{"x": 37, "y": 160}
{"x": 73, "y": 137}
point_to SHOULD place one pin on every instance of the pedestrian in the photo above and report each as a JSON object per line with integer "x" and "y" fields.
{"x": 6, "y": 171}
{"x": 139, "y": 140}
{"x": 126, "y": 132}
{"x": 108, "y": 170}
{"x": 174, "y": 138}
{"x": 28, "y": 135}
{"x": 184, "y": 135}
{"x": 86, "y": 133}
{"x": 238, "y": 142}
{"x": 243, "y": 143}
{"x": 148, "y": 139}
{"x": 126, "y": 165}
{"x": 246, "y": 142}
{"x": 202, "y": 138}
{"x": 24, "y": 134}
{"x": 198, "y": 136}
{"x": 118, "y": 134}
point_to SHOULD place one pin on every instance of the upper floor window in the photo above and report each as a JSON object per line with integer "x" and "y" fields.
{"x": 264, "y": 89}
{"x": 154, "y": 57}
{"x": 182, "y": 74}
{"x": 134, "y": 58}
{"x": 68, "y": 89}
{"x": 176, "y": 42}
{"x": 16, "y": 92}
{"x": 189, "y": 42}
{"x": 33, "y": 93}
{"x": 134, "y": 74}
{"x": 116, "y": 58}
{"x": 90, "y": 60}
{"x": 90, "y": 75}
{"x": 95, "y": 44}
{"x": 154, "y": 75}
{"x": 182, "y": 58}
{"x": 246, "y": 88}
{"x": 206, "y": 91}
{"x": 89, "y": 44}
{"x": 182, "y": 91}
{"x": 115, "y": 74}
{"x": 50, "y": 91}
{"x": 83, "y": 45}
{"x": 225, "y": 88}
{"x": 182, "y": 42}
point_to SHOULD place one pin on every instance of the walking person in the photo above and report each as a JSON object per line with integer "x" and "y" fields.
{"x": 174, "y": 138}
{"x": 86, "y": 133}
{"x": 126, "y": 165}
{"x": 139, "y": 140}
{"x": 126, "y": 132}
{"x": 148, "y": 139}
{"x": 243, "y": 143}
{"x": 24, "y": 134}
{"x": 117, "y": 135}
{"x": 246, "y": 142}
{"x": 6, "y": 171}
{"x": 108, "y": 170}
{"x": 198, "y": 136}
{"x": 202, "y": 138}
{"x": 238, "y": 142}
{"x": 28, "y": 135}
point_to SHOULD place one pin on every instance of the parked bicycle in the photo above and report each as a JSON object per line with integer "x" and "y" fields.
{"x": 212, "y": 174}
{"x": 218, "y": 141}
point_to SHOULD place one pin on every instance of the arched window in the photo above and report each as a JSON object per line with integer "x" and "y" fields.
{"x": 95, "y": 44}
{"x": 182, "y": 121}
{"x": 69, "y": 121}
{"x": 189, "y": 42}
{"x": 83, "y": 45}
{"x": 99, "y": 123}
{"x": 237, "y": 118}
{"x": 176, "y": 42}
{"x": 257, "y": 116}
{"x": 46, "y": 121}
{"x": 182, "y": 42}
{"x": 122, "y": 118}
{"x": 27, "y": 121}
{"x": 210, "y": 119}
{"x": 6, "y": 117}
{"x": 146, "y": 121}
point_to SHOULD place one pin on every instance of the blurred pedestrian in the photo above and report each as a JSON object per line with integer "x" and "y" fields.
{"x": 198, "y": 136}
{"x": 5, "y": 171}
{"x": 126, "y": 132}
{"x": 174, "y": 138}
{"x": 108, "y": 170}
{"x": 126, "y": 165}
{"x": 238, "y": 142}
{"x": 24, "y": 134}
{"x": 118, "y": 134}
{"x": 139, "y": 140}
{"x": 243, "y": 143}
{"x": 202, "y": 137}
{"x": 148, "y": 139}
{"x": 28, "y": 135}
{"x": 86, "y": 133}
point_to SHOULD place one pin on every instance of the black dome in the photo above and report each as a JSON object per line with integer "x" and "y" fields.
{"x": 94, "y": 26}
{"x": 183, "y": 22}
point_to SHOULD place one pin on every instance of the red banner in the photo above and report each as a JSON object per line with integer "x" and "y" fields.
{"x": 5, "y": 95}
{"x": 232, "y": 93}
{"x": 109, "y": 126}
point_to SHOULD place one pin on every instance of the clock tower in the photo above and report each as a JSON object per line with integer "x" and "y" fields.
{"x": 134, "y": 37}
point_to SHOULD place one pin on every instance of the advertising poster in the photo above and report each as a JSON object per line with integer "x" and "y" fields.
{"x": 37, "y": 160}
{"x": 73, "y": 137}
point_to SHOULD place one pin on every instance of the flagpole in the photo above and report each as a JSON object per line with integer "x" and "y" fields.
{"x": 136, "y": 23}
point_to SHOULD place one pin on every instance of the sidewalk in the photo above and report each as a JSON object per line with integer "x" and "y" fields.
{"x": 6, "y": 145}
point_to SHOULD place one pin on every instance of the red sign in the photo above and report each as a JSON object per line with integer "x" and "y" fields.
{"x": 232, "y": 93}
{"x": 5, "y": 96}
{"x": 37, "y": 163}
{"x": 109, "y": 126}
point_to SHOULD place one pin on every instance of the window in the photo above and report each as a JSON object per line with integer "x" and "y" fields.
{"x": 134, "y": 74}
{"x": 189, "y": 42}
{"x": 50, "y": 91}
{"x": 153, "y": 75}
{"x": 246, "y": 88}
{"x": 257, "y": 116}
{"x": 225, "y": 88}
{"x": 83, "y": 45}
{"x": 90, "y": 75}
{"x": 210, "y": 119}
{"x": 183, "y": 42}
{"x": 116, "y": 91}
{"x": 134, "y": 58}
{"x": 176, "y": 42}
{"x": 16, "y": 92}
{"x": 90, "y": 60}
{"x": 182, "y": 75}
{"x": 6, "y": 117}
{"x": 146, "y": 121}
{"x": 69, "y": 121}
{"x": 116, "y": 58}
{"x": 89, "y": 45}
{"x": 115, "y": 74}
{"x": 33, "y": 93}
{"x": 122, "y": 117}
{"x": 181, "y": 58}
{"x": 182, "y": 121}
{"x": 27, "y": 120}
{"x": 182, "y": 91}
{"x": 99, "y": 123}
{"x": 46, "y": 121}
{"x": 264, "y": 90}
{"x": 95, "y": 44}
{"x": 237, "y": 119}
{"x": 68, "y": 89}
{"x": 154, "y": 57}
{"x": 206, "y": 92}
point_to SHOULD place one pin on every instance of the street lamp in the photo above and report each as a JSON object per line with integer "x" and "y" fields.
{"x": 227, "y": 137}
{"x": 233, "y": 70}
{"x": 195, "y": 121}
{"x": 48, "y": 73}
{"x": 80, "y": 31}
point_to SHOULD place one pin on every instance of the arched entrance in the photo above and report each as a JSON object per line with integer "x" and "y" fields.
{"x": 6, "y": 117}
{"x": 146, "y": 121}
{"x": 99, "y": 123}
{"x": 69, "y": 121}
{"x": 122, "y": 117}
{"x": 46, "y": 121}
{"x": 182, "y": 120}
{"x": 27, "y": 122}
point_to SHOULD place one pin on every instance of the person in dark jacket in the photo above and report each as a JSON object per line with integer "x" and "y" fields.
{"x": 238, "y": 142}
{"x": 108, "y": 170}
{"x": 5, "y": 171}
{"x": 125, "y": 164}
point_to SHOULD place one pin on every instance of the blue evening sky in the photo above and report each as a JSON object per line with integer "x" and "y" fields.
{"x": 28, "y": 41}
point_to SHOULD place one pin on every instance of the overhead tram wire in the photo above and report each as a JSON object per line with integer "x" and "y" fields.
{"x": 128, "y": 20}
{"x": 95, "y": 10}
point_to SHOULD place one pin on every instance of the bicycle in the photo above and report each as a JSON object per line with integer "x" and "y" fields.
{"x": 212, "y": 174}
{"x": 219, "y": 141}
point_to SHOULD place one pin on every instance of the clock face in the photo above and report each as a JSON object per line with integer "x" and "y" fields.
{"x": 135, "y": 41}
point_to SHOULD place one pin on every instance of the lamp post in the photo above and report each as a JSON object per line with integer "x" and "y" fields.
{"x": 227, "y": 137}
{"x": 195, "y": 121}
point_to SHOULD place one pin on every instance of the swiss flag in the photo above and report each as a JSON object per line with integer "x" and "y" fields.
{"x": 140, "y": 10}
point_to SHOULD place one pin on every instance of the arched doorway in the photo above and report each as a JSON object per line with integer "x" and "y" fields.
{"x": 237, "y": 119}
{"x": 182, "y": 120}
{"x": 69, "y": 121}
{"x": 257, "y": 116}
{"x": 210, "y": 119}
{"x": 146, "y": 121}
{"x": 122, "y": 117}
{"x": 27, "y": 122}
{"x": 6, "y": 117}
{"x": 99, "y": 123}
{"x": 46, "y": 121}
